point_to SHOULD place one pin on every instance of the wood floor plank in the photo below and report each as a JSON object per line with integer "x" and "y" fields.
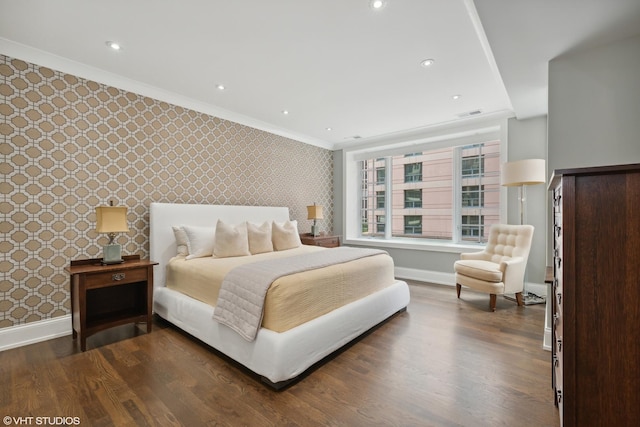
{"x": 444, "y": 362}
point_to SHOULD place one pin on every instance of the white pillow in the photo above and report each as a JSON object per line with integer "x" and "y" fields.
{"x": 200, "y": 240}
{"x": 182, "y": 241}
{"x": 285, "y": 235}
{"x": 231, "y": 240}
{"x": 259, "y": 237}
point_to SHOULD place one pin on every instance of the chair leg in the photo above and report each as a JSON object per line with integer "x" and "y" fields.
{"x": 458, "y": 287}
{"x": 519, "y": 299}
{"x": 492, "y": 302}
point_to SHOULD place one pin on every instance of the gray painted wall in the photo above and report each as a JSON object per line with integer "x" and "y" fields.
{"x": 594, "y": 106}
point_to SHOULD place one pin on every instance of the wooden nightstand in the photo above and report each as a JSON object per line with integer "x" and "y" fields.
{"x": 325, "y": 241}
{"x": 104, "y": 296}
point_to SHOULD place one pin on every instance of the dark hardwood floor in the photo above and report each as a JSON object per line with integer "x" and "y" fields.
{"x": 443, "y": 362}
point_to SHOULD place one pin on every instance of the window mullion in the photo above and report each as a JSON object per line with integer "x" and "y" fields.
{"x": 457, "y": 195}
{"x": 388, "y": 198}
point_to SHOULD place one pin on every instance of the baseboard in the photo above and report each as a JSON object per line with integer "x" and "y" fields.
{"x": 436, "y": 277}
{"x": 31, "y": 333}
{"x": 546, "y": 342}
{"x": 441, "y": 278}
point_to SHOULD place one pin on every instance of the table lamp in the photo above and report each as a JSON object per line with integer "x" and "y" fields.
{"x": 314, "y": 212}
{"x": 111, "y": 220}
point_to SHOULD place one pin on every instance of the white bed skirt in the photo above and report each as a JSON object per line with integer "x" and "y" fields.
{"x": 280, "y": 357}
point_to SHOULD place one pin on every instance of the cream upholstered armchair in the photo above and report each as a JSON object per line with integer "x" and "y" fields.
{"x": 499, "y": 268}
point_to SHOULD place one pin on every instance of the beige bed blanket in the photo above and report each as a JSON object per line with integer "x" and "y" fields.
{"x": 243, "y": 291}
{"x": 291, "y": 300}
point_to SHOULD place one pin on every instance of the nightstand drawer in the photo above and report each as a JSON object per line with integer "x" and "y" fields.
{"x": 328, "y": 242}
{"x": 323, "y": 240}
{"x": 116, "y": 277}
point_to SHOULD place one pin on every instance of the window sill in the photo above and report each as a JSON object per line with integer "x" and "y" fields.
{"x": 428, "y": 245}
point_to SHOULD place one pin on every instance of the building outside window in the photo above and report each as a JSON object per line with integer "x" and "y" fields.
{"x": 413, "y": 172}
{"x": 472, "y": 226}
{"x": 445, "y": 194}
{"x": 412, "y": 198}
{"x": 472, "y": 196}
{"x": 412, "y": 224}
{"x": 472, "y": 166}
{"x": 380, "y": 198}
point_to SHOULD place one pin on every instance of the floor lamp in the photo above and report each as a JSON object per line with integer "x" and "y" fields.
{"x": 521, "y": 174}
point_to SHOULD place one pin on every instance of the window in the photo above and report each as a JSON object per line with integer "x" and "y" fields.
{"x": 472, "y": 166}
{"x": 472, "y": 196}
{"x": 364, "y": 224}
{"x": 412, "y": 224}
{"x": 412, "y": 198}
{"x": 472, "y": 227}
{"x": 447, "y": 194}
{"x": 413, "y": 172}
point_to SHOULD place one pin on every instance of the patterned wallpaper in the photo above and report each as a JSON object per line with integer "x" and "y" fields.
{"x": 69, "y": 145}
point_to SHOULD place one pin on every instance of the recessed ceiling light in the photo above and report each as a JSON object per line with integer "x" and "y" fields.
{"x": 329, "y": 129}
{"x": 114, "y": 45}
{"x": 285, "y": 112}
{"x": 456, "y": 97}
{"x": 377, "y": 4}
{"x": 220, "y": 87}
{"x": 427, "y": 63}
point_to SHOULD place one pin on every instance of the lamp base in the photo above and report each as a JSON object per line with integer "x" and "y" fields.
{"x": 112, "y": 254}
{"x": 314, "y": 231}
{"x": 528, "y": 298}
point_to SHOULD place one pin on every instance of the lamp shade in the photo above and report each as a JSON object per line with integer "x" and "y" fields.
{"x": 111, "y": 219}
{"x": 523, "y": 172}
{"x": 314, "y": 212}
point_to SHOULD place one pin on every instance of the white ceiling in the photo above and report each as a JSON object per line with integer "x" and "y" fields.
{"x": 330, "y": 63}
{"x": 525, "y": 35}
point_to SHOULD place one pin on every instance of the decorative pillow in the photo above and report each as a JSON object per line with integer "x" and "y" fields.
{"x": 285, "y": 235}
{"x": 200, "y": 240}
{"x": 182, "y": 241}
{"x": 259, "y": 238}
{"x": 231, "y": 240}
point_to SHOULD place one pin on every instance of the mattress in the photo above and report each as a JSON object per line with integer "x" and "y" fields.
{"x": 291, "y": 300}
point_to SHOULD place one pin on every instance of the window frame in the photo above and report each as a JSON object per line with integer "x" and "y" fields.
{"x": 479, "y": 192}
{"x": 479, "y": 227}
{"x": 474, "y": 132}
{"x": 413, "y": 176}
{"x": 380, "y": 193}
{"x": 413, "y": 204}
{"x": 414, "y": 218}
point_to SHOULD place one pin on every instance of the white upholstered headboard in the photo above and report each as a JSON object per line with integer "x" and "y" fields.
{"x": 162, "y": 216}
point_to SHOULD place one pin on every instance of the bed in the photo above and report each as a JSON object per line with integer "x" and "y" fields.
{"x": 277, "y": 357}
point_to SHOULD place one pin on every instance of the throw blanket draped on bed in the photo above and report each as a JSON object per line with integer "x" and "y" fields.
{"x": 241, "y": 299}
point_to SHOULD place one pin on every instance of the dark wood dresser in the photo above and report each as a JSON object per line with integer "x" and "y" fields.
{"x": 596, "y": 295}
